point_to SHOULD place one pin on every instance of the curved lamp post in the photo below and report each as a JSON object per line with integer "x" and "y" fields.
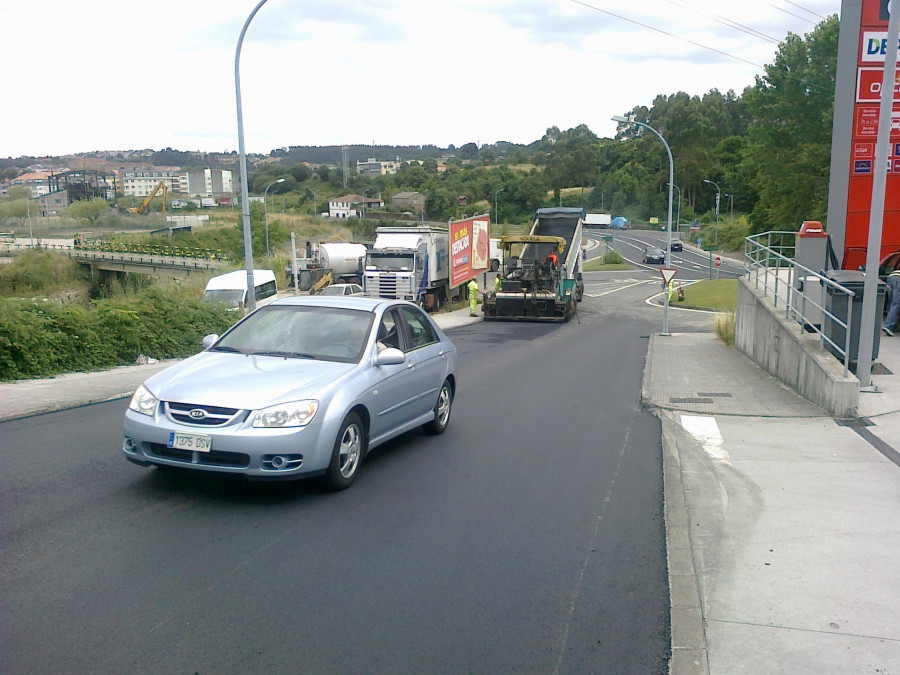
{"x": 629, "y": 121}
{"x": 718, "y": 197}
{"x": 496, "y": 216}
{"x": 266, "y": 210}
{"x": 678, "y": 216}
{"x": 242, "y": 160}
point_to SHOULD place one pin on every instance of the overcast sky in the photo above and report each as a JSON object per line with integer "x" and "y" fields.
{"x": 116, "y": 75}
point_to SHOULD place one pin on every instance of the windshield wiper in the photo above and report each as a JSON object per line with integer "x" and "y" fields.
{"x": 286, "y": 355}
{"x": 222, "y": 348}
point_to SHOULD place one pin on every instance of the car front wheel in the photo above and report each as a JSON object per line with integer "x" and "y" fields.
{"x": 441, "y": 411}
{"x": 349, "y": 449}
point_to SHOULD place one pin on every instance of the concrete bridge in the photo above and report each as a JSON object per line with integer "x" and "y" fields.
{"x": 136, "y": 263}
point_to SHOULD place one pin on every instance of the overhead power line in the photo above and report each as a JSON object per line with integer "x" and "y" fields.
{"x": 789, "y": 13}
{"x": 724, "y": 21}
{"x": 805, "y": 9}
{"x": 672, "y": 35}
{"x": 810, "y": 85}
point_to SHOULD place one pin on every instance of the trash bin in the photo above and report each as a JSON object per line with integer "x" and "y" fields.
{"x": 838, "y": 303}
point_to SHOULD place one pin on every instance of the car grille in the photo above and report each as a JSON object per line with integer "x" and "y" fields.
{"x": 196, "y": 415}
{"x": 236, "y": 460}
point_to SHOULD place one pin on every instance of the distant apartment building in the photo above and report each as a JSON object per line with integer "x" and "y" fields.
{"x": 351, "y": 206}
{"x": 205, "y": 182}
{"x": 140, "y": 182}
{"x": 374, "y": 167}
{"x": 37, "y": 181}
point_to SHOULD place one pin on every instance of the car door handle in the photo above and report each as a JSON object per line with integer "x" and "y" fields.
{"x": 410, "y": 364}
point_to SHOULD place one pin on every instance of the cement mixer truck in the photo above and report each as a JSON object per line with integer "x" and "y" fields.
{"x": 342, "y": 261}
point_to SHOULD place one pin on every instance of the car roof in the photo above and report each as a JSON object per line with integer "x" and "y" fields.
{"x": 339, "y": 301}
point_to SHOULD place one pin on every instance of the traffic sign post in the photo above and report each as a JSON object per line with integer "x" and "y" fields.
{"x": 710, "y": 249}
{"x": 667, "y": 273}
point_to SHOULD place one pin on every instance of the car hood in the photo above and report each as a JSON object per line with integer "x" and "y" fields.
{"x": 247, "y": 382}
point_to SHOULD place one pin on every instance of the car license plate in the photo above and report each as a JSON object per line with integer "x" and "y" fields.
{"x": 193, "y": 442}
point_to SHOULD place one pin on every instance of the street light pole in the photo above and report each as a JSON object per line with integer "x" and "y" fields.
{"x": 718, "y": 197}
{"x": 242, "y": 161}
{"x": 266, "y": 211}
{"x": 678, "y": 218}
{"x": 496, "y": 216}
{"x": 626, "y": 120}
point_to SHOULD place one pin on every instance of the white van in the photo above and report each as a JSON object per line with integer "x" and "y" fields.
{"x": 231, "y": 289}
{"x": 496, "y": 255}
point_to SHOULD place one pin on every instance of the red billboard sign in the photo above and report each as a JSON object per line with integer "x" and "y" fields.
{"x": 469, "y": 248}
{"x": 870, "y": 73}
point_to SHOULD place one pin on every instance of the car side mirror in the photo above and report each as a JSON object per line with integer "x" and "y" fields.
{"x": 390, "y": 357}
{"x": 209, "y": 340}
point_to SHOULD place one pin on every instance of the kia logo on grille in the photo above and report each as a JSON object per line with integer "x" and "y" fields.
{"x": 197, "y": 414}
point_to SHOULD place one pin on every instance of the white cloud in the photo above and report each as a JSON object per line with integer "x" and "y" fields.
{"x": 99, "y": 75}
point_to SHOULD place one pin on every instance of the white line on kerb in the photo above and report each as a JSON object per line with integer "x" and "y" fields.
{"x": 706, "y": 431}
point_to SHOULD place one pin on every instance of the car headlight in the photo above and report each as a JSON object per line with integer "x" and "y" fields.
{"x": 293, "y": 414}
{"x": 143, "y": 401}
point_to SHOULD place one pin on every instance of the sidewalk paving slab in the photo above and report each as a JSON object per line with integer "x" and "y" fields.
{"x": 785, "y": 523}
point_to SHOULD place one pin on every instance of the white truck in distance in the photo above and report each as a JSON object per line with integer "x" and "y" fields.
{"x": 409, "y": 263}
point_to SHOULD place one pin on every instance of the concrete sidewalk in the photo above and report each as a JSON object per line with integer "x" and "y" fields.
{"x": 34, "y": 397}
{"x": 782, "y": 524}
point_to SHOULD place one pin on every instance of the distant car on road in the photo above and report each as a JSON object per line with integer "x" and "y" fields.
{"x": 654, "y": 255}
{"x": 304, "y": 386}
{"x": 676, "y": 245}
{"x": 342, "y": 289}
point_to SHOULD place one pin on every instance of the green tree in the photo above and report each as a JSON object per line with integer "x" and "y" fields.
{"x": 570, "y": 158}
{"x": 789, "y": 143}
{"x": 88, "y": 209}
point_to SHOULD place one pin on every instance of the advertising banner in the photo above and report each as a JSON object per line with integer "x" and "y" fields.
{"x": 870, "y": 72}
{"x": 469, "y": 248}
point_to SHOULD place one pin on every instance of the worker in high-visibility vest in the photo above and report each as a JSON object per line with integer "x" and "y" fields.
{"x": 497, "y": 283}
{"x": 890, "y": 321}
{"x": 473, "y": 297}
{"x": 671, "y": 290}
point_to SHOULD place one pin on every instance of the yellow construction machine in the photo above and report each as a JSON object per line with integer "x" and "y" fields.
{"x": 144, "y": 204}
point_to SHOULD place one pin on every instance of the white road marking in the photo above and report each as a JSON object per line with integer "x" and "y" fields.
{"x": 705, "y": 430}
{"x": 621, "y": 288}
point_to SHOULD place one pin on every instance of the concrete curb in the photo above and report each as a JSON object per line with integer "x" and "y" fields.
{"x": 688, "y": 627}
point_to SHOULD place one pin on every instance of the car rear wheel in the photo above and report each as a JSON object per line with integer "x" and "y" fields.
{"x": 441, "y": 411}
{"x": 349, "y": 449}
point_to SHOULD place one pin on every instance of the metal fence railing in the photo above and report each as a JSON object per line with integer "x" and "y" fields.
{"x": 802, "y": 293}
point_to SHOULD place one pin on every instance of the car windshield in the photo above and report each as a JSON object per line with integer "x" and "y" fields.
{"x": 332, "y": 290}
{"x": 299, "y": 331}
{"x": 655, "y": 251}
{"x": 390, "y": 261}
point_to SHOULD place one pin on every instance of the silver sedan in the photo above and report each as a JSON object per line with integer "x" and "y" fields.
{"x": 301, "y": 387}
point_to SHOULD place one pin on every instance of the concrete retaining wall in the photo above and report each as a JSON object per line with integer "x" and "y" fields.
{"x": 793, "y": 356}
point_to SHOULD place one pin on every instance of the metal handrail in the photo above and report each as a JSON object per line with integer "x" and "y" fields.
{"x": 769, "y": 264}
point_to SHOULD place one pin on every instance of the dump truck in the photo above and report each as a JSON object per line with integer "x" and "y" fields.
{"x": 542, "y": 278}
{"x": 409, "y": 263}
